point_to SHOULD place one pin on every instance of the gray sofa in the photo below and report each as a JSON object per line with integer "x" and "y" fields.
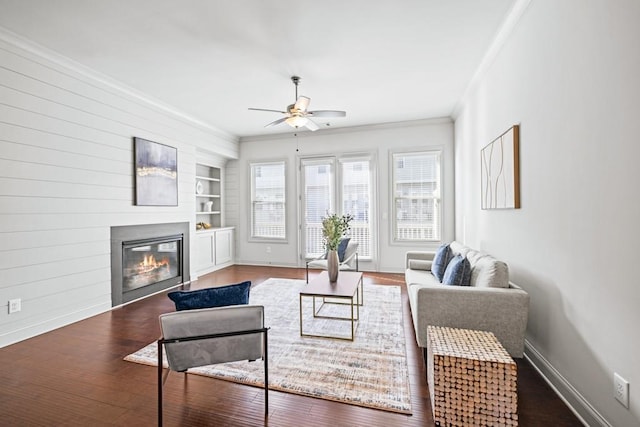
{"x": 491, "y": 303}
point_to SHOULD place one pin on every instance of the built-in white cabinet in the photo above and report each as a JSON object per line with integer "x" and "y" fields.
{"x": 213, "y": 249}
{"x": 223, "y": 246}
{"x": 204, "y": 256}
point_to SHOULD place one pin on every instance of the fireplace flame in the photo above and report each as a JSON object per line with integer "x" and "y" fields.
{"x": 150, "y": 263}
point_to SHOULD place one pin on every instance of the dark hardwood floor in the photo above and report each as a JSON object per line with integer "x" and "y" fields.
{"x": 76, "y": 376}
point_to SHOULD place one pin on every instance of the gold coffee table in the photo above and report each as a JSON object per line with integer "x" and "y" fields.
{"x": 346, "y": 290}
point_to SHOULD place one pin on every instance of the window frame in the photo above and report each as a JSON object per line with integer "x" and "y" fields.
{"x": 252, "y": 201}
{"x": 439, "y": 209}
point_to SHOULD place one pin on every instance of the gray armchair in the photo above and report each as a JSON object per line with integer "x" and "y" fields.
{"x": 350, "y": 261}
{"x": 208, "y": 336}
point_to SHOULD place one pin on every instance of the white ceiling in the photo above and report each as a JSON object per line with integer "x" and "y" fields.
{"x": 381, "y": 61}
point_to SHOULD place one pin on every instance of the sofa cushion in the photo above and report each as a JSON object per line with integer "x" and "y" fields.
{"x": 420, "y": 276}
{"x": 440, "y": 261}
{"x": 342, "y": 248}
{"x": 488, "y": 272}
{"x": 221, "y": 296}
{"x": 420, "y": 264}
{"x": 458, "y": 272}
{"x": 474, "y": 256}
{"x": 458, "y": 248}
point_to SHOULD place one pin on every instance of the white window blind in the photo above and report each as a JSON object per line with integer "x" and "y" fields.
{"x": 268, "y": 201}
{"x": 416, "y": 196}
{"x": 319, "y": 193}
{"x": 356, "y": 195}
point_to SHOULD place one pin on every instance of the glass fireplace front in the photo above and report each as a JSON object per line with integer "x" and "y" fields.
{"x": 145, "y": 262}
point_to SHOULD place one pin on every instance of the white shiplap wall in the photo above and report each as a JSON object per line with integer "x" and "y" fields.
{"x": 66, "y": 177}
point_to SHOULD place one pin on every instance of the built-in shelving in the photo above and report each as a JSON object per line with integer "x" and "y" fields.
{"x": 213, "y": 247}
{"x": 208, "y": 196}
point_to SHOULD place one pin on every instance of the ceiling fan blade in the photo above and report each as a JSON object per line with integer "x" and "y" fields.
{"x": 312, "y": 126}
{"x": 265, "y": 109}
{"x": 302, "y": 103}
{"x": 276, "y": 122}
{"x": 327, "y": 113}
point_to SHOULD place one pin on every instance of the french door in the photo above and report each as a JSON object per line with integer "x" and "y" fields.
{"x": 341, "y": 185}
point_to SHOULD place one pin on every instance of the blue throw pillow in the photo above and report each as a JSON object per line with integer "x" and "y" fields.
{"x": 458, "y": 272}
{"x": 342, "y": 248}
{"x": 440, "y": 261}
{"x": 211, "y": 297}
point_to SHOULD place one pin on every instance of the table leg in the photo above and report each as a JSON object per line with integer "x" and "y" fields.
{"x": 352, "y": 321}
{"x": 358, "y": 293}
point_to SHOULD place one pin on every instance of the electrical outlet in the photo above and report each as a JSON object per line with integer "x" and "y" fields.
{"x": 15, "y": 305}
{"x": 268, "y": 249}
{"x": 621, "y": 390}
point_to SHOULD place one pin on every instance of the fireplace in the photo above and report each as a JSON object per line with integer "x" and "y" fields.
{"x": 148, "y": 258}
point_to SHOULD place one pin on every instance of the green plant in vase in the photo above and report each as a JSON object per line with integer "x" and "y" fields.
{"x": 334, "y": 227}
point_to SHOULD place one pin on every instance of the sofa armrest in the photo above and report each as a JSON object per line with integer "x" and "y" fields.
{"x": 503, "y": 311}
{"x": 418, "y": 255}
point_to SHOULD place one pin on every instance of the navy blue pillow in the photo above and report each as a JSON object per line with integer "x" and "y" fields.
{"x": 440, "y": 261}
{"x": 342, "y": 248}
{"x": 458, "y": 272}
{"x": 211, "y": 297}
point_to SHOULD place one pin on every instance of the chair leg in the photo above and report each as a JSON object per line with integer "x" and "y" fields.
{"x": 160, "y": 382}
{"x": 266, "y": 376}
{"x": 307, "y": 272}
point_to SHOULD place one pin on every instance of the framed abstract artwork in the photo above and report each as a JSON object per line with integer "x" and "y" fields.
{"x": 156, "y": 173}
{"x": 500, "y": 171}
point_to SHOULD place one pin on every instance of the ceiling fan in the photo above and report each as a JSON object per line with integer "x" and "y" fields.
{"x": 297, "y": 115}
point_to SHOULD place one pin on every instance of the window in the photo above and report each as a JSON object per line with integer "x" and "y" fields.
{"x": 268, "y": 201}
{"x": 347, "y": 190}
{"x": 416, "y": 196}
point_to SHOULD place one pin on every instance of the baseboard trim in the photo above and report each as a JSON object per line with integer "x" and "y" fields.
{"x": 585, "y": 412}
{"x": 266, "y": 264}
{"x": 49, "y": 325}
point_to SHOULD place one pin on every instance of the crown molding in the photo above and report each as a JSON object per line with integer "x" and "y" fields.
{"x": 505, "y": 30}
{"x": 105, "y": 81}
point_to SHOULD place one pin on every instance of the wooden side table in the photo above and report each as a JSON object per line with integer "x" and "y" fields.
{"x": 472, "y": 378}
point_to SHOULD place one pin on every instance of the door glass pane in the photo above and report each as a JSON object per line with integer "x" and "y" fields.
{"x": 356, "y": 178}
{"x": 318, "y": 200}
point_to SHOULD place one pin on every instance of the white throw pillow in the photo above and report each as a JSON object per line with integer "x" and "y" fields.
{"x": 488, "y": 272}
{"x": 459, "y": 248}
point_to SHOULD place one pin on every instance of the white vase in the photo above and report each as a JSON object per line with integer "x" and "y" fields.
{"x": 333, "y": 265}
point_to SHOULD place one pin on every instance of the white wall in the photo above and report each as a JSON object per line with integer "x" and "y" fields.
{"x": 380, "y": 141}
{"x": 568, "y": 74}
{"x": 66, "y": 177}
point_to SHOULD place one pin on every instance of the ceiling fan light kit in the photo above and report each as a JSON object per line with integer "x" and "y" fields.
{"x": 297, "y": 115}
{"x": 297, "y": 121}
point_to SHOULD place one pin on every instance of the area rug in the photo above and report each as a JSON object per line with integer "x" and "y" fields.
{"x": 371, "y": 371}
